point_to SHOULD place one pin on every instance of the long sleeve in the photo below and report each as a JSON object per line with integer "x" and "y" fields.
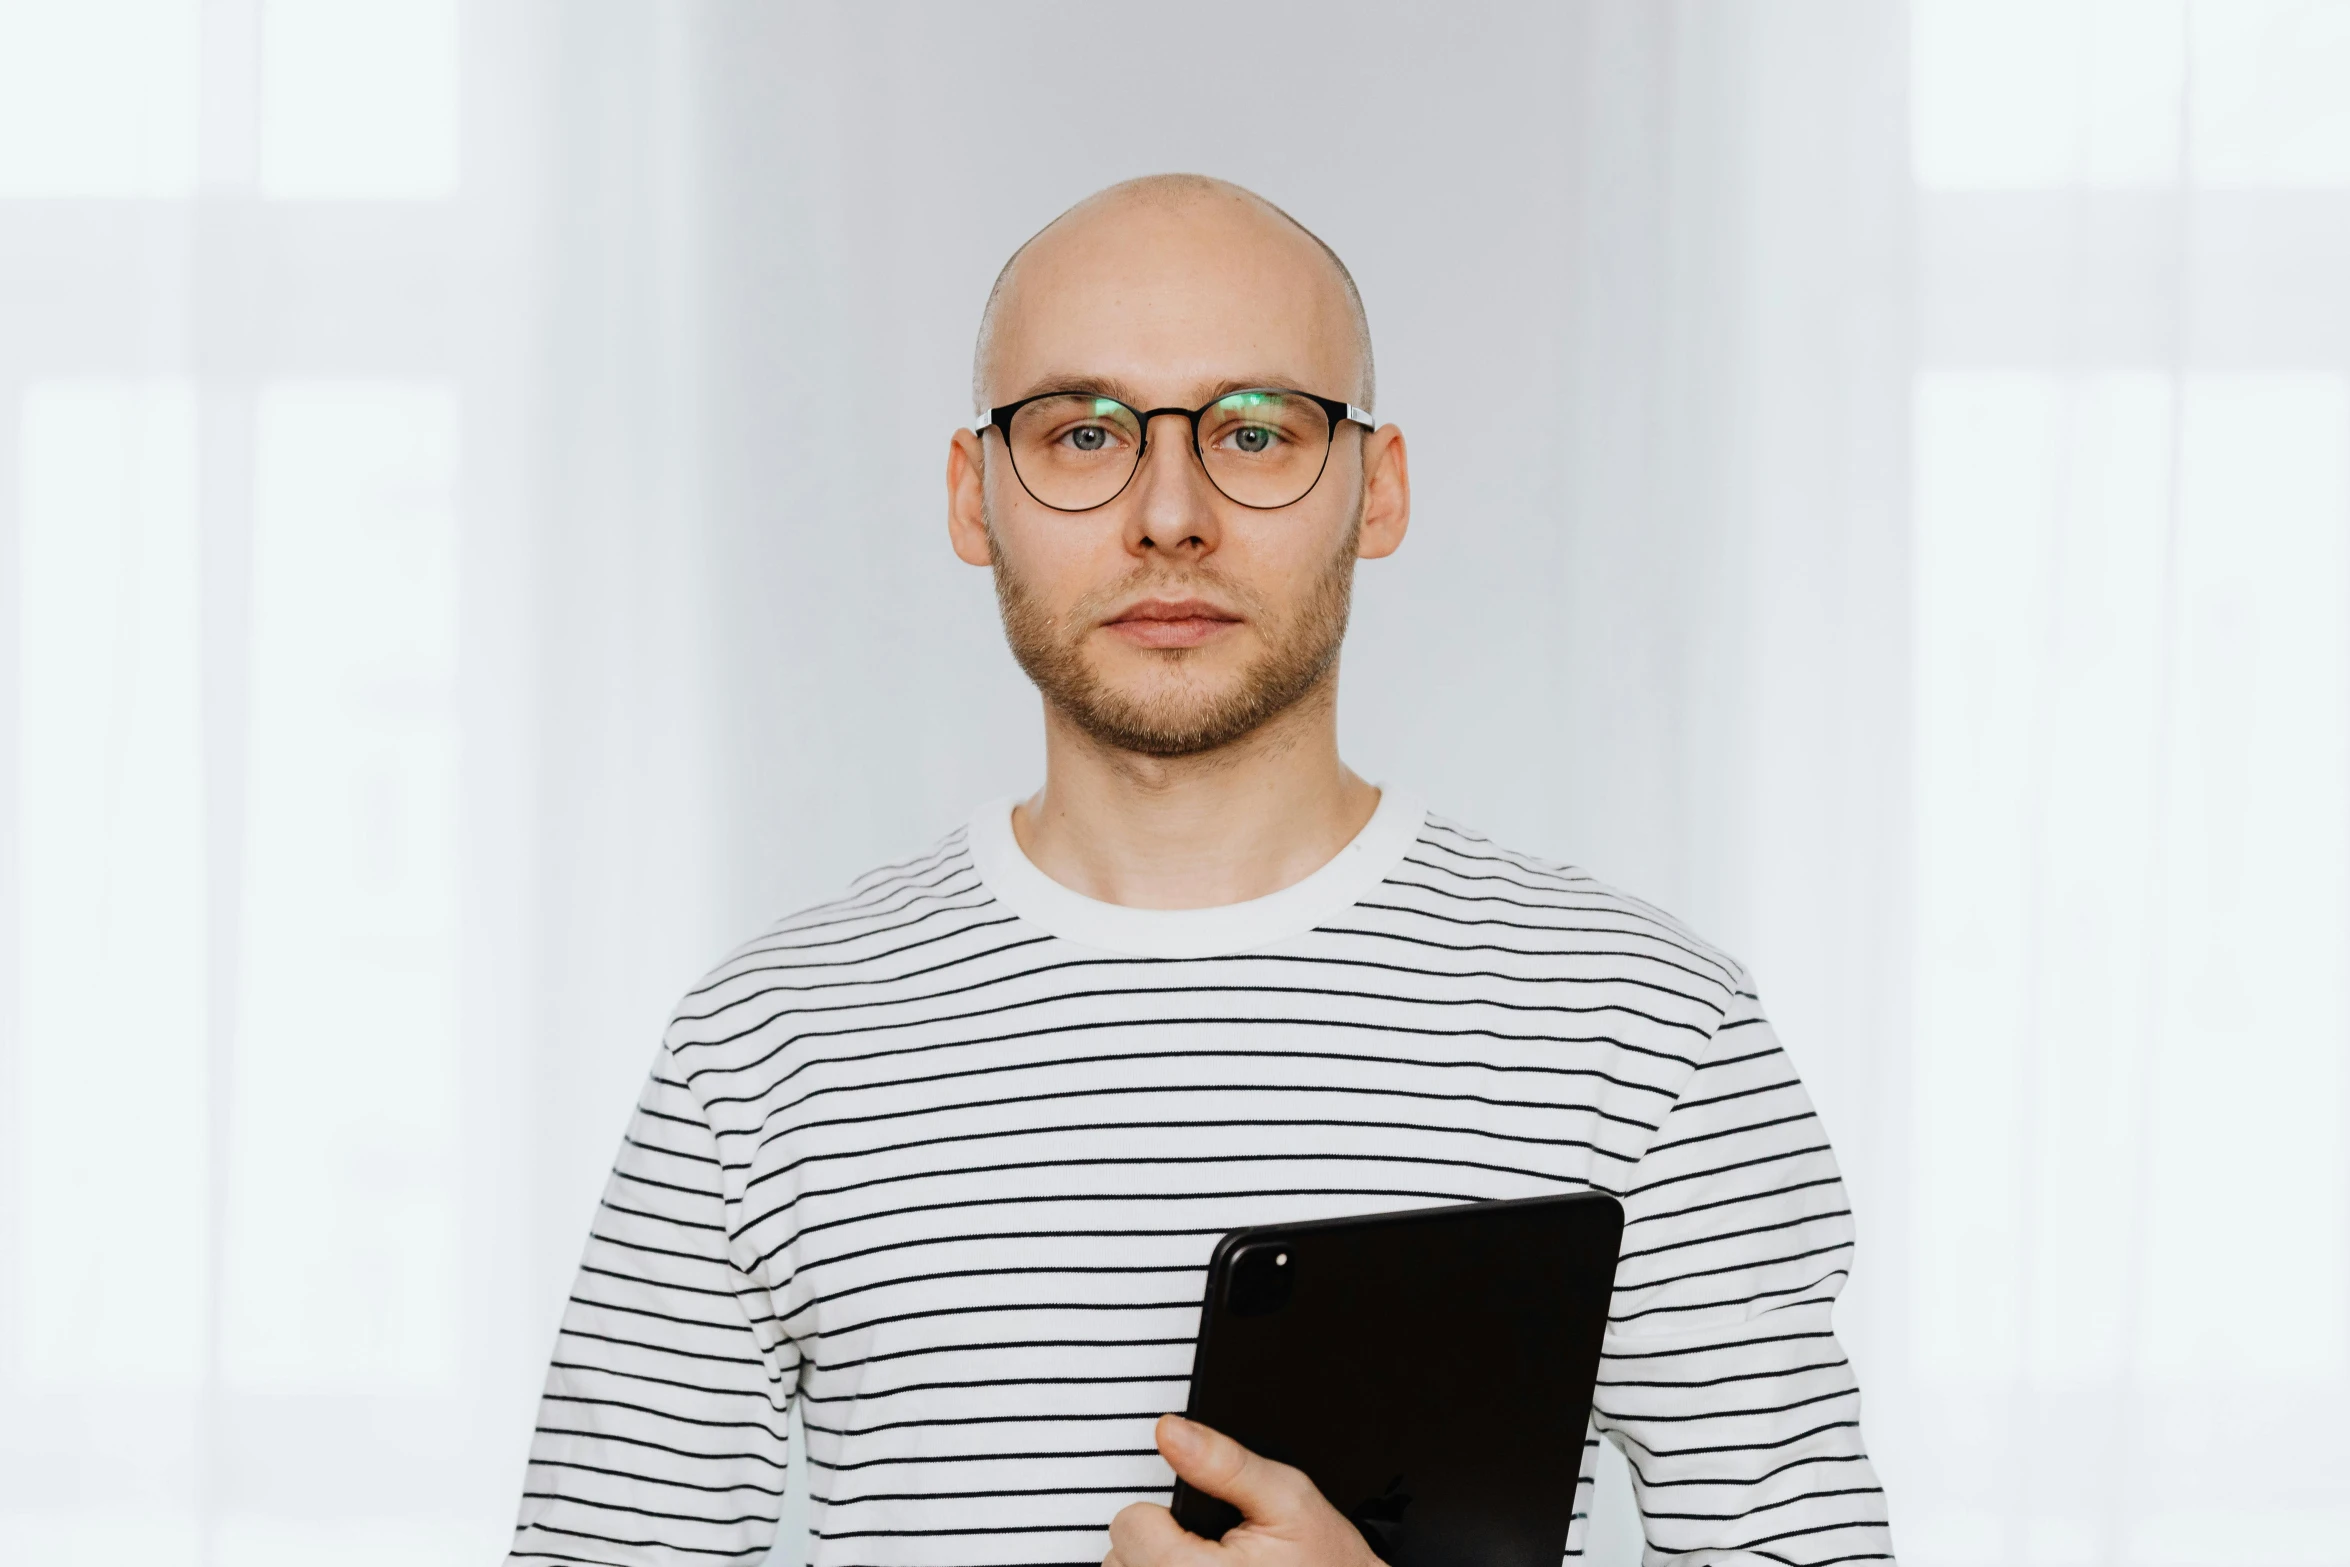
{"x": 661, "y": 1433}
{"x": 1721, "y": 1378}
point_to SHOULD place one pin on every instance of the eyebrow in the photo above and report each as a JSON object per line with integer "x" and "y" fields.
{"x": 1125, "y": 392}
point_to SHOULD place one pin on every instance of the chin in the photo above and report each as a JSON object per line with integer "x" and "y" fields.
{"x": 1187, "y": 711}
{"x": 1164, "y": 718}
{"x": 1166, "y": 679}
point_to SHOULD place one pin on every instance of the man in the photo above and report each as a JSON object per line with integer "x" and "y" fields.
{"x": 944, "y": 1160}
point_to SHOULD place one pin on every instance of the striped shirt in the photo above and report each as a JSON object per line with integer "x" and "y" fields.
{"x": 943, "y": 1162}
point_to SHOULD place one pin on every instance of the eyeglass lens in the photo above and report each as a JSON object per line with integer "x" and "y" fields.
{"x": 1261, "y": 448}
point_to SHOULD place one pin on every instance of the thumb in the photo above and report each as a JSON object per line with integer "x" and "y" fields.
{"x": 1266, "y": 1493}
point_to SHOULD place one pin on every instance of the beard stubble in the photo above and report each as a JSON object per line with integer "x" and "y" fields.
{"x": 1180, "y": 716}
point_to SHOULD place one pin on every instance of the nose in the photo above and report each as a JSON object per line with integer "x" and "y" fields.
{"x": 1174, "y": 501}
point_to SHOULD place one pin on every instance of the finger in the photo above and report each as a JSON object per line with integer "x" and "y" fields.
{"x": 1264, "y": 1491}
{"x": 1145, "y": 1534}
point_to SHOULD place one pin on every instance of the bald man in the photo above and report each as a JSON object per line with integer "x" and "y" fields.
{"x": 943, "y": 1161}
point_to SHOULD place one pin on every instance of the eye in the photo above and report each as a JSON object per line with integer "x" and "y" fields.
{"x": 1258, "y": 424}
{"x": 1090, "y": 437}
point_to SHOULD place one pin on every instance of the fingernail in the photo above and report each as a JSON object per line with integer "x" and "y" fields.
{"x": 1180, "y": 1432}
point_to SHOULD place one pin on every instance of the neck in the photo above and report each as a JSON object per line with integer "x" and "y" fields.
{"x": 1192, "y": 832}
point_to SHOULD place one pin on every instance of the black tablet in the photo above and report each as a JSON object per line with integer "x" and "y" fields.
{"x": 1430, "y": 1370}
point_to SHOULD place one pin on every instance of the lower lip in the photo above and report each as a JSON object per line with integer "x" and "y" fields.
{"x": 1170, "y": 633}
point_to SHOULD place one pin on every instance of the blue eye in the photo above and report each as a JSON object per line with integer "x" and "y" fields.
{"x": 1254, "y": 439}
{"x": 1089, "y": 438}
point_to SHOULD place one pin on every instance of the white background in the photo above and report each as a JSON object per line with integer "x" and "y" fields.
{"x": 470, "y": 538}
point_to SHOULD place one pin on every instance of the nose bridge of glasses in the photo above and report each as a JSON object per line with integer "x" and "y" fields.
{"x": 1190, "y": 417}
{"x": 1148, "y": 417}
{"x": 1195, "y": 470}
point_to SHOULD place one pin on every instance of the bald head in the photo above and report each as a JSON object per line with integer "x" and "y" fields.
{"x": 1181, "y": 273}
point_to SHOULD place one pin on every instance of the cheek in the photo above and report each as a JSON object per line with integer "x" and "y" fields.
{"x": 1286, "y": 565}
{"x": 1057, "y": 560}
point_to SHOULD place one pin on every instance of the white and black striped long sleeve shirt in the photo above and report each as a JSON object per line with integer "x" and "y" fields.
{"x": 944, "y": 1161}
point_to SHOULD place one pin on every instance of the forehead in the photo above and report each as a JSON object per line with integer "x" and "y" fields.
{"x": 1173, "y": 300}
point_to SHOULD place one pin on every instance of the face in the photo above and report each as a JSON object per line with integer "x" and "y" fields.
{"x": 1172, "y": 620}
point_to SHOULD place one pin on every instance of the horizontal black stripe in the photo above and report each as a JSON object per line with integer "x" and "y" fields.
{"x": 652, "y": 1479}
{"x": 1402, "y": 1194}
{"x": 1177, "y": 1052}
{"x": 1187, "y": 1162}
{"x": 1723, "y": 1381}
{"x": 714, "y": 1521}
{"x": 608, "y": 1435}
{"x": 980, "y": 1458}
{"x": 699, "y": 1389}
{"x": 646, "y": 1545}
{"x": 850, "y": 1364}
{"x": 950, "y": 1422}
{"x": 1805, "y": 1288}
{"x": 775, "y": 1429}
{"x": 1427, "y": 1129}
{"x": 871, "y": 1395}
{"x": 829, "y": 1500}
{"x": 1764, "y": 1507}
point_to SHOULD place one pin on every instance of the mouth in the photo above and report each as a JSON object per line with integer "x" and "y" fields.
{"x": 1171, "y": 622}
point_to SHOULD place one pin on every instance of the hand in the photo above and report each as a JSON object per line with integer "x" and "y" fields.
{"x": 1284, "y": 1521}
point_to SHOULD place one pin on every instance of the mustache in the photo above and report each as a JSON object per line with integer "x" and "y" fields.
{"x": 1161, "y": 582}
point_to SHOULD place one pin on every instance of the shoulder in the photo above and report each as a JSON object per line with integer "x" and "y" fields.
{"x": 840, "y": 943}
{"x": 1458, "y": 874}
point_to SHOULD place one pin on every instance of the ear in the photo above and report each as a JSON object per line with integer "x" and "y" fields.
{"x": 967, "y": 499}
{"x": 1387, "y": 494}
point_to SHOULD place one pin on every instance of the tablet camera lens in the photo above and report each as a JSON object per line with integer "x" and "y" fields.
{"x": 1261, "y": 1282}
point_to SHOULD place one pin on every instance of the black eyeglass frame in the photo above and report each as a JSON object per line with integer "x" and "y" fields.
{"x": 1338, "y": 413}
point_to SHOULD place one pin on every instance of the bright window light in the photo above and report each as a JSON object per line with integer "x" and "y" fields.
{"x": 2133, "y": 875}
{"x": 98, "y": 98}
{"x": 2040, "y": 516}
{"x": 2272, "y": 92}
{"x": 359, "y": 99}
{"x": 342, "y": 1238}
{"x": 2254, "y": 1042}
{"x": 116, "y": 1536}
{"x": 262, "y": 1540}
{"x": 109, "y": 1123}
{"x": 2016, "y": 94}
{"x": 2041, "y": 94}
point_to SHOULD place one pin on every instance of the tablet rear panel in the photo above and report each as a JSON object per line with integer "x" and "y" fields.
{"x": 1431, "y": 1370}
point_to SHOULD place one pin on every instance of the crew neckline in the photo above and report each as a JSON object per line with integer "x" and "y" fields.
{"x": 1015, "y": 882}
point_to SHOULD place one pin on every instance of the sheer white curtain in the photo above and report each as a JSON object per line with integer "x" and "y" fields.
{"x": 469, "y": 492}
{"x": 2128, "y": 1335}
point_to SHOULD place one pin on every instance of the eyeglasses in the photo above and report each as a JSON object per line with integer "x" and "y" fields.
{"x": 1262, "y": 448}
